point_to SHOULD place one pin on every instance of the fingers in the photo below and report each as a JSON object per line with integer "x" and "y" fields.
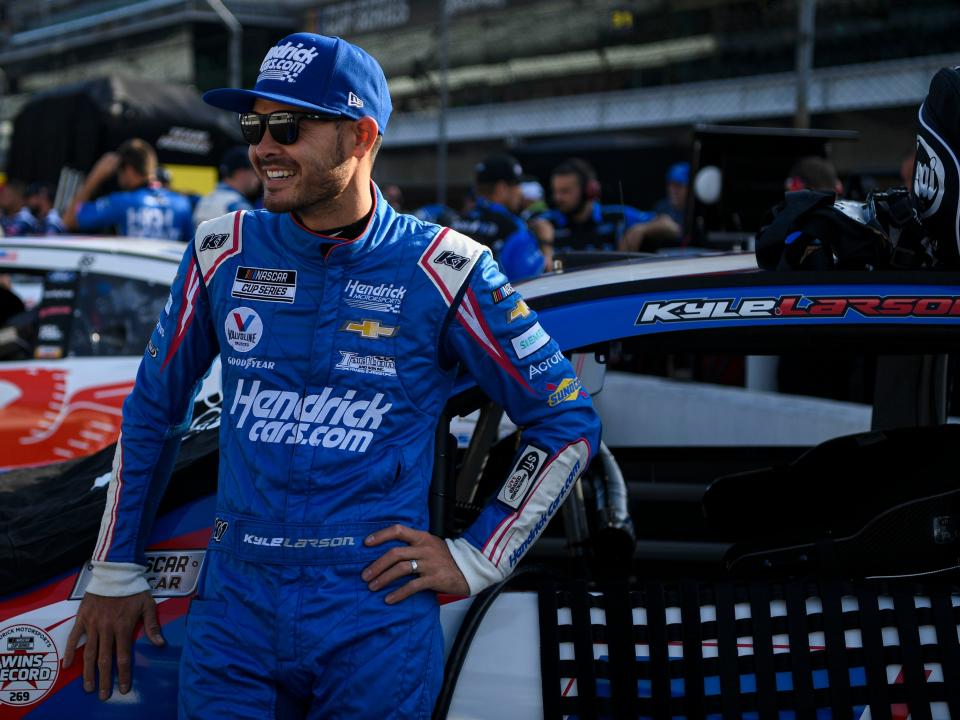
{"x": 124, "y": 664}
{"x": 395, "y": 532}
{"x": 399, "y": 555}
{"x": 105, "y": 664}
{"x": 408, "y": 589}
{"x": 150, "y": 623}
{"x": 90, "y": 660}
{"x": 75, "y": 634}
{"x": 394, "y": 572}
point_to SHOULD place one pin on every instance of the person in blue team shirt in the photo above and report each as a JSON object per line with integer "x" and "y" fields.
{"x": 141, "y": 208}
{"x": 40, "y": 204}
{"x": 238, "y": 185}
{"x": 580, "y": 222}
{"x": 674, "y": 204}
{"x": 16, "y": 218}
{"x": 494, "y": 222}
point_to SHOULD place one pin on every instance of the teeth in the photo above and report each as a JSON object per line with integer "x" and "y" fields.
{"x": 275, "y": 174}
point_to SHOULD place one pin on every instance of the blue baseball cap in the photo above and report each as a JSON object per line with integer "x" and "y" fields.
{"x": 321, "y": 74}
{"x": 679, "y": 173}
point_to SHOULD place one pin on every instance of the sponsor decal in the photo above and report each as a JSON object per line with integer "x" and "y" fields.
{"x": 170, "y": 573}
{"x": 151, "y": 348}
{"x": 214, "y": 241}
{"x": 544, "y": 365}
{"x": 530, "y": 341}
{"x": 8, "y": 256}
{"x": 502, "y": 293}
{"x": 243, "y": 328}
{"x": 159, "y": 328}
{"x": 451, "y": 259}
{"x": 166, "y": 308}
{"x": 54, "y": 311}
{"x": 266, "y": 284}
{"x": 929, "y": 179}
{"x": 367, "y": 364}
{"x": 285, "y": 62}
{"x": 50, "y": 333}
{"x": 567, "y": 390}
{"x": 61, "y": 276}
{"x": 522, "y": 476}
{"x": 370, "y": 329}
{"x": 29, "y": 665}
{"x": 796, "y": 306}
{"x": 520, "y": 310}
{"x": 219, "y": 528}
{"x": 383, "y": 297}
{"x": 327, "y": 542}
{"x": 354, "y": 101}
{"x": 48, "y": 352}
{"x": 58, "y": 294}
{"x": 545, "y": 516}
{"x": 328, "y": 418}
{"x": 246, "y": 363}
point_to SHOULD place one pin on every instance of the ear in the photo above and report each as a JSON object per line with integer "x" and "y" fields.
{"x": 365, "y": 135}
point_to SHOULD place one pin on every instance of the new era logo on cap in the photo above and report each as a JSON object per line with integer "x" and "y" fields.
{"x": 354, "y": 101}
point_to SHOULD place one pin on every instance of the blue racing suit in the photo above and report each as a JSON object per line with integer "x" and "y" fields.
{"x": 335, "y": 369}
{"x": 514, "y": 247}
{"x": 148, "y": 212}
{"x": 601, "y": 231}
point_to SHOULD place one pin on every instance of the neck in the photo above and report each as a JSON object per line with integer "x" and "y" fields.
{"x": 584, "y": 213}
{"x": 348, "y": 207}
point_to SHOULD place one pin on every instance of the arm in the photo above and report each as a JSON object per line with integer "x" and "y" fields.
{"x": 660, "y": 229}
{"x": 155, "y": 415}
{"x": 542, "y": 229}
{"x": 104, "y": 168}
{"x": 521, "y": 368}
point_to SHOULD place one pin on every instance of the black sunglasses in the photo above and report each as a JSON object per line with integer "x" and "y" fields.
{"x": 284, "y": 125}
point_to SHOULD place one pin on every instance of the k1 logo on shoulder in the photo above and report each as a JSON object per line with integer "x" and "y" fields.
{"x": 518, "y": 485}
{"x": 265, "y": 284}
{"x": 214, "y": 241}
{"x": 243, "y": 328}
{"x": 450, "y": 258}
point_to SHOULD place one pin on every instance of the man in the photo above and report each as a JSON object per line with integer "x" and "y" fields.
{"x": 16, "y": 220}
{"x": 40, "y": 204}
{"x": 494, "y": 222}
{"x": 238, "y": 184}
{"x": 813, "y": 173}
{"x": 674, "y": 205}
{"x": 580, "y": 222}
{"x": 341, "y": 325}
{"x": 141, "y": 208}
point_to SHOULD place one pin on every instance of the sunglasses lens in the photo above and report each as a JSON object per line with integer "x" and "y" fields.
{"x": 251, "y": 126}
{"x": 283, "y": 127}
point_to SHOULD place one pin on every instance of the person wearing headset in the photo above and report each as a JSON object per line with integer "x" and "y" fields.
{"x": 581, "y": 222}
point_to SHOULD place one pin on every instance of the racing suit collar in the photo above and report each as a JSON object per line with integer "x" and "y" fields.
{"x": 344, "y": 251}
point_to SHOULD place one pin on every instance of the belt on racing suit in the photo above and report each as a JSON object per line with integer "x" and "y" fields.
{"x": 275, "y": 543}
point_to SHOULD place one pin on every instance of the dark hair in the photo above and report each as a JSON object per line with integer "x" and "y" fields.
{"x": 139, "y": 155}
{"x": 816, "y": 173}
{"x": 586, "y": 176}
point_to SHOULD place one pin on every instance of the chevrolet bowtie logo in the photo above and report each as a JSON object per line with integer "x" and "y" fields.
{"x": 520, "y": 310}
{"x": 370, "y": 329}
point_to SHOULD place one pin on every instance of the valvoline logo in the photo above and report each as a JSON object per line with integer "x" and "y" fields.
{"x": 243, "y": 329}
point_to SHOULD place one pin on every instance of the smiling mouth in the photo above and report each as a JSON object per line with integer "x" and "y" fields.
{"x": 278, "y": 174}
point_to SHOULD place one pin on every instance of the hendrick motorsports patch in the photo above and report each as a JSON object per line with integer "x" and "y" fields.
{"x": 265, "y": 284}
{"x": 522, "y": 477}
{"x": 29, "y": 664}
{"x": 170, "y": 573}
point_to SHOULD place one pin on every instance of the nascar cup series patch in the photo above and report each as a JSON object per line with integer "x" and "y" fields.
{"x": 29, "y": 664}
{"x": 267, "y": 284}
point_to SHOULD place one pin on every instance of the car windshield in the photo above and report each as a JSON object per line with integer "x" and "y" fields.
{"x": 114, "y": 315}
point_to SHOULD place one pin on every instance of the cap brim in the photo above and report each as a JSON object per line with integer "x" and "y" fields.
{"x": 239, "y": 101}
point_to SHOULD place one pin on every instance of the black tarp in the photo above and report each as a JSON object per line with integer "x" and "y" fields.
{"x": 75, "y": 124}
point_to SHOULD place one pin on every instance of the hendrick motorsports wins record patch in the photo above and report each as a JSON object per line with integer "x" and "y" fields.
{"x": 29, "y": 664}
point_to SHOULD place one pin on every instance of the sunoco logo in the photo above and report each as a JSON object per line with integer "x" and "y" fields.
{"x": 286, "y": 62}
{"x": 29, "y": 664}
{"x": 928, "y": 179}
{"x": 243, "y": 328}
{"x": 382, "y": 298}
{"x": 328, "y": 418}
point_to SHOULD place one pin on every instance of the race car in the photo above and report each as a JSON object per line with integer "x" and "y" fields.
{"x": 75, "y": 314}
{"x": 796, "y": 554}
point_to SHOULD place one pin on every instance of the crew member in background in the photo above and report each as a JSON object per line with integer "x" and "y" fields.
{"x": 580, "y": 222}
{"x": 141, "y": 208}
{"x": 813, "y": 173}
{"x": 40, "y": 203}
{"x": 494, "y": 221}
{"x": 238, "y": 185}
{"x": 16, "y": 219}
{"x": 674, "y": 205}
